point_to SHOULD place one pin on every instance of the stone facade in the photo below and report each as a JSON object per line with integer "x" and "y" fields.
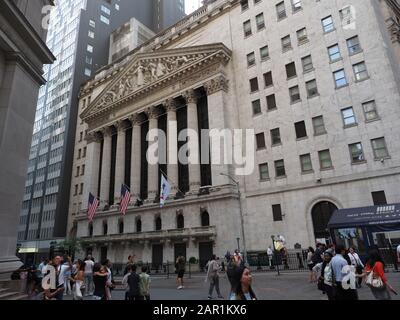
{"x": 22, "y": 55}
{"x": 207, "y": 51}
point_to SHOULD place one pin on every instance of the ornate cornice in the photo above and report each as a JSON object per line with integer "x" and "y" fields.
{"x": 170, "y": 105}
{"x": 190, "y": 96}
{"x": 92, "y": 137}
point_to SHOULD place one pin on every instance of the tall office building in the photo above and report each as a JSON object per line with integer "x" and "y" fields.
{"x": 79, "y": 36}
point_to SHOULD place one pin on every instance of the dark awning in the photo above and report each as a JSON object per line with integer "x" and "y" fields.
{"x": 375, "y": 215}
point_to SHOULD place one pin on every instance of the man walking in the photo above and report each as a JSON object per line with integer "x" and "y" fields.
{"x": 89, "y": 275}
{"x": 340, "y": 270}
{"x": 213, "y": 277}
{"x": 180, "y": 267}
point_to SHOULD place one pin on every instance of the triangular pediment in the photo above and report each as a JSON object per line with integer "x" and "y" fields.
{"x": 147, "y": 72}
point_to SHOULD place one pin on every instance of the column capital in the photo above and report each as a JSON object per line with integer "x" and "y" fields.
{"x": 120, "y": 125}
{"x": 190, "y": 96}
{"x": 93, "y": 137}
{"x": 170, "y": 105}
{"x": 106, "y": 131}
{"x": 135, "y": 119}
{"x": 152, "y": 112}
{"x": 217, "y": 84}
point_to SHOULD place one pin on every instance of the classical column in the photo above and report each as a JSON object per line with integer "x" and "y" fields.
{"x": 193, "y": 126}
{"x": 106, "y": 167}
{"x": 172, "y": 144}
{"x": 216, "y": 99}
{"x": 152, "y": 157}
{"x": 120, "y": 160}
{"x": 92, "y": 168}
{"x": 136, "y": 156}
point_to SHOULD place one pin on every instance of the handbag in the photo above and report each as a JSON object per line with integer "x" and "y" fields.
{"x": 374, "y": 281}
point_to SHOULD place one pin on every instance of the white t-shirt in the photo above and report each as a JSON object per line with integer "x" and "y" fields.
{"x": 89, "y": 266}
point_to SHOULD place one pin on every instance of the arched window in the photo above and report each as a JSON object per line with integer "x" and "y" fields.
{"x": 158, "y": 223}
{"x": 205, "y": 219}
{"x": 90, "y": 229}
{"x": 105, "y": 228}
{"x": 321, "y": 214}
{"x": 180, "y": 221}
{"x": 138, "y": 225}
{"x": 121, "y": 226}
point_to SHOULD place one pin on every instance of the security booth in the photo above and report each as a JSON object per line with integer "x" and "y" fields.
{"x": 367, "y": 227}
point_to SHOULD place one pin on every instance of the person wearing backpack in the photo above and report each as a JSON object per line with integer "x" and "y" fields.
{"x": 134, "y": 285}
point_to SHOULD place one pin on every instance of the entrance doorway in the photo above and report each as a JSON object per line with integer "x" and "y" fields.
{"x": 180, "y": 250}
{"x": 321, "y": 214}
{"x": 157, "y": 256}
{"x": 103, "y": 254}
{"x": 205, "y": 253}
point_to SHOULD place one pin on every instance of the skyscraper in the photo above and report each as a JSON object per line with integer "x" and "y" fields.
{"x": 79, "y": 36}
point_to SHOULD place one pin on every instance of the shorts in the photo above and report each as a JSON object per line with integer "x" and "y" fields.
{"x": 181, "y": 273}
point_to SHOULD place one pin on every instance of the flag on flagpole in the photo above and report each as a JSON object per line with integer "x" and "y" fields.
{"x": 125, "y": 198}
{"x": 164, "y": 190}
{"x": 92, "y": 207}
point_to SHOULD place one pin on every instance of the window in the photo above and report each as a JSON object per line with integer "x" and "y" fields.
{"x": 291, "y": 70}
{"x": 340, "y": 78}
{"x": 334, "y": 53}
{"x": 380, "y": 149}
{"x": 277, "y": 212}
{"x": 318, "y": 125}
{"x": 121, "y": 227}
{"x": 260, "y": 139}
{"x": 247, "y": 28}
{"x": 81, "y": 189}
{"x": 83, "y": 170}
{"x": 80, "y": 136}
{"x": 92, "y": 23}
{"x": 360, "y": 71}
{"x": 104, "y": 19}
{"x": 84, "y": 152}
{"x": 296, "y": 5}
{"x": 281, "y": 10}
{"x": 254, "y": 85}
{"x": 294, "y": 93}
{"x": 356, "y": 152}
{"x": 346, "y": 16}
{"x": 286, "y": 43}
{"x": 280, "y": 168}
{"x": 256, "y": 107}
{"x": 91, "y": 34}
{"x": 307, "y": 64}
{"x": 90, "y": 229}
{"x": 327, "y": 24}
{"x": 268, "y": 81}
{"x": 379, "y": 198}
{"x": 301, "y": 131}
{"x": 312, "y": 89}
{"x": 244, "y": 4}
{"x": 180, "y": 222}
{"x": 260, "y": 21}
{"x": 325, "y": 159}
{"x": 302, "y": 36}
{"x": 353, "y": 45}
{"x": 138, "y": 225}
{"x": 264, "y": 173}
{"x": 78, "y": 170}
{"x": 158, "y": 223}
{"x": 88, "y": 72}
{"x": 117, "y": 6}
{"x": 105, "y": 228}
{"x": 79, "y": 153}
{"x": 205, "y": 219}
{"x": 89, "y": 60}
{"x": 276, "y": 136}
{"x": 370, "y": 111}
{"x": 349, "y": 118}
{"x": 305, "y": 162}
{"x": 76, "y": 190}
{"x": 89, "y": 48}
{"x": 105, "y": 10}
{"x": 271, "y": 102}
{"x": 251, "y": 59}
{"x": 264, "y": 53}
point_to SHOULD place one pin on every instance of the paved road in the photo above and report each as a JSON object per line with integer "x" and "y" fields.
{"x": 268, "y": 286}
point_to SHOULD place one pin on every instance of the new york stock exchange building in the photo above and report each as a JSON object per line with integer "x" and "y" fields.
{"x": 325, "y": 128}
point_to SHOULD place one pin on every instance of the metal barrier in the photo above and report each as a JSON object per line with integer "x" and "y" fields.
{"x": 291, "y": 261}
{"x": 166, "y": 269}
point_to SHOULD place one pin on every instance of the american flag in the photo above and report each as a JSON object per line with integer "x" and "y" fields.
{"x": 125, "y": 198}
{"x": 93, "y": 205}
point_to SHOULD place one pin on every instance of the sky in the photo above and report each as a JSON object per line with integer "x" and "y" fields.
{"x": 192, "y": 5}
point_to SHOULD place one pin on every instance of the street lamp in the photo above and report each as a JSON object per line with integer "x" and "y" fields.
{"x": 241, "y": 215}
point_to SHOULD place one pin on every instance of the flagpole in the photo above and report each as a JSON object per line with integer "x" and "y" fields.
{"x": 171, "y": 181}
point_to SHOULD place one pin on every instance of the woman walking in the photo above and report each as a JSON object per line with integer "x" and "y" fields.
{"x": 375, "y": 276}
{"x": 78, "y": 280}
{"x": 310, "y": 264}
{"x": 100, "y": 280}
{"x": 357, "y": 263}
{"x": 325, "y": 282}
